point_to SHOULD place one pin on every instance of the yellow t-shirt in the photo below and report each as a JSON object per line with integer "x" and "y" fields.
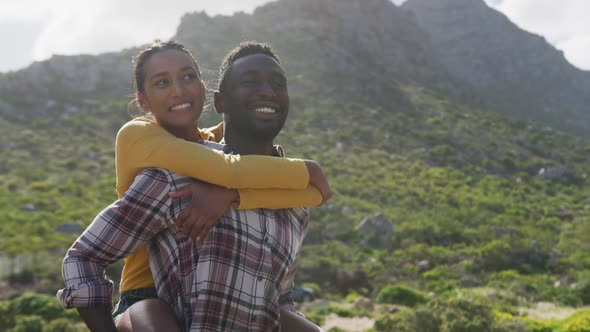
{"x": 141, "y": 143}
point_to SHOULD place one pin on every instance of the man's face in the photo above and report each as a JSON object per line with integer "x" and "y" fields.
{"x": 255, "y": 101}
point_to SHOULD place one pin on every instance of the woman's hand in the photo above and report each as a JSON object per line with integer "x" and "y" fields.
{"x": 318, "y": 179}
{"x": 209, "y": 203}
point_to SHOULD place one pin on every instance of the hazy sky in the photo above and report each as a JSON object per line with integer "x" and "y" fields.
{"x": 35, "y": 29}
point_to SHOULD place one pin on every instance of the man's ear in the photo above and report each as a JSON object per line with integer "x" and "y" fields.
{"x": 218, "y": 102}
{"x": 143, "y": 102}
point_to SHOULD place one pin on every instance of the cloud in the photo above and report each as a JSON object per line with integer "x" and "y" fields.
{"x": 563, "y": 23}
{"x": 18, "y": 52}
{"x": 76, "y": 27}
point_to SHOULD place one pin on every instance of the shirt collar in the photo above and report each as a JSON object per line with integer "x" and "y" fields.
{"x": 277, "y": 150}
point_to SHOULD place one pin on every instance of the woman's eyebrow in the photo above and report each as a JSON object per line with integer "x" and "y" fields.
{"x": 165, "y": 73}
{"x": 160, "y": 74}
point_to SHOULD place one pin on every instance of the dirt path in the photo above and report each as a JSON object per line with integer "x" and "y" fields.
{"x": 354, "y": 324}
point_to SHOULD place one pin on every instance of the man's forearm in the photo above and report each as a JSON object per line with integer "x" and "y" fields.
{"x": 98, "y": 319}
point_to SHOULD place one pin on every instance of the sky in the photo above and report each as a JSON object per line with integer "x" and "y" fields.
{"x": 33, "y": 30}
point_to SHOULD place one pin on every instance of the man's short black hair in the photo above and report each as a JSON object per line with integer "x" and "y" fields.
{"x": 244, "y": 49}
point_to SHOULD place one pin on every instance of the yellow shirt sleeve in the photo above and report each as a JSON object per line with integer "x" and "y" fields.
{"x": 141, "y": 144}
{"x": 278, "y": 198}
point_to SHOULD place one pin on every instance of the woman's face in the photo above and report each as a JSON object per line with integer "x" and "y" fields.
{"x": 173, "y": 90}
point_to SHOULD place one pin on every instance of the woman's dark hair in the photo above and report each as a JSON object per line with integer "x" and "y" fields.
{"x": 244, "y": 49}
{"x": 146, "y": 53}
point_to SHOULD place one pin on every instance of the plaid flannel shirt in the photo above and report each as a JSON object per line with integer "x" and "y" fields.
{"x": 235, "y": 279}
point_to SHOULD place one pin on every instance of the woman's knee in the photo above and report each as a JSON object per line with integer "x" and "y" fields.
{"x": 149, "y": 315}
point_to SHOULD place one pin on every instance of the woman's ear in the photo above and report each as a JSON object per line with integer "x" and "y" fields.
{"x": 204, "y": 89}
{"x": 143, "y": 104}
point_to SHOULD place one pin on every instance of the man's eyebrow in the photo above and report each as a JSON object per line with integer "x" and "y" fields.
{"x": 256, "y": 72}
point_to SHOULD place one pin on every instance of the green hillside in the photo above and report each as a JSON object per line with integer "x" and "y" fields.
{"x": 461, "y": 187}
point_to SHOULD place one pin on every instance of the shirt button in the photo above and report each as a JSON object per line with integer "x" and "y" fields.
{"x": 259, "y": 278}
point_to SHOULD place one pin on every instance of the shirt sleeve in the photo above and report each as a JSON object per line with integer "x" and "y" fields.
{"x": 141, "y": 144}
{"x": 278, "y": 198}
{"x": 115, "y": 233}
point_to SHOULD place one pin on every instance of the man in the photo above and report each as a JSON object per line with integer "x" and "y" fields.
{"x": 239, "y": 276}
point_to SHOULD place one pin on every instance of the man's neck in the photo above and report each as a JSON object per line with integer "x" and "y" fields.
{"x": 247, "y": 145}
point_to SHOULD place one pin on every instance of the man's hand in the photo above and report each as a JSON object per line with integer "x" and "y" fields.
{"x": 318, "y": 179}
{"x": 209, "y": 203}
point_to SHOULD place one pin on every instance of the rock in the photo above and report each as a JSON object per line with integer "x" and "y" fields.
{"x": 470, "y": 281}
{"x": 347, "y": 210}
{"x": 551, "y": 173}
{"x": 363, "y": 303}
{"x": 29, "y": 207}
{"x": 376, "y": 231}
{"x": 352, "y": 279}
{"x": 423, "y": 265}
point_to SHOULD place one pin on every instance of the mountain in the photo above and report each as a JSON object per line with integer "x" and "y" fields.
{"x": 514, "y": 71}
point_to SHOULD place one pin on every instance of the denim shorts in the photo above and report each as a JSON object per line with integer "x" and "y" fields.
{"x": 131, "y": 297}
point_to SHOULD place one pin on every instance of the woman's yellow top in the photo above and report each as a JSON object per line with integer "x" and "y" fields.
{"x": 141, "y": 143}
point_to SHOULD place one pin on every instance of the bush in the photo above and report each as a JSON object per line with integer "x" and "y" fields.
{"x": 422, "y": 319}
{"x": 45, "y": 306}
{"x": 341, "y": 312}
{"x": 464, "y": 315}
{"x": 30, "y": 311}
{"x": 400, "y": 295}
{"x": 316, "y": 318}
{"x": 336, "y": 329}
{"x": 457, "y": 314}
{"x": 28, "y": 324}
{"x": 505, "y": 322}
{"x": 60, "y": 324}
{"x": 579, "y": 322}
{"x": 584, "y": 292}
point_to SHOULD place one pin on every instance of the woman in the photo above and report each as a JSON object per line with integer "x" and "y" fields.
{"x": 143, "y": 143}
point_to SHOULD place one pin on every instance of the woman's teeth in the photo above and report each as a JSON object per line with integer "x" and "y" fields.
{"x": 180, "y": 107}
{"x": 265, "y": 110}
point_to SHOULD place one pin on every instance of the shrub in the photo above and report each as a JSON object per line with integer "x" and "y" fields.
{"x": 336, "y": 329}
{"x": 60, "y": 324}
{"x": 42, "y": 305}
{"x": 584, "y": 292}
{"x": 316, "y": 318}
{"x": 463, "y": 314}
{"x": 422, "y": 319}
{"x": 400, "y": 295}
{"x": 579, "y": 322}
{"x": 28, "y": 324}
{"x": 342, "y": 312}
{"x": 505, "y": 322}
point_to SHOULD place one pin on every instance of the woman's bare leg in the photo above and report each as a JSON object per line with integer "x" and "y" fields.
{"x": 148, "y": 315}
{"x": 292, "y": 322}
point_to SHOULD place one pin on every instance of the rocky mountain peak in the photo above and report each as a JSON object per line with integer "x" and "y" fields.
{"x": 517, "y": 72}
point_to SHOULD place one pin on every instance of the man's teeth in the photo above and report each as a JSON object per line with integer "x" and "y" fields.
{"x": 265, "y": 110}
{"x": 181, "y": 106}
